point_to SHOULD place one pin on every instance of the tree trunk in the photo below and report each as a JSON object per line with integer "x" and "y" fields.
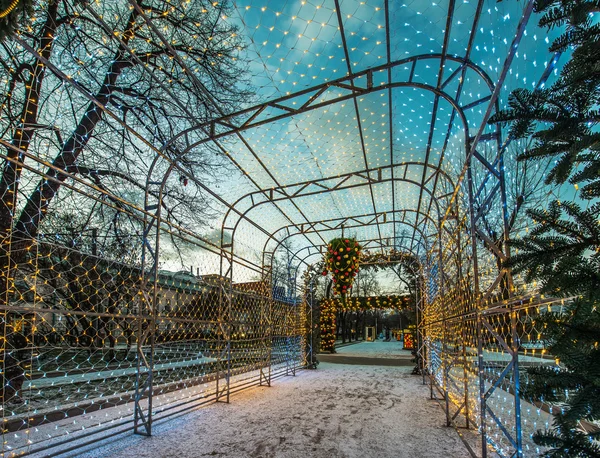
{"x": 37, "y": 204}
{"x": 11, "y": 173}
{"x": 23, "y": 133}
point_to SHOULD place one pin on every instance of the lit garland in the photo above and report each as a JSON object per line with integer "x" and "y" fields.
{"x": 409, "y": 341}
{"x": 327, "y": 325}
{"x": 330, "y": 307}
{"x": 355, "y": 304}
{"x": 342, "y": 260}
{"x": 377, "y": 259}
{"x": 11, "y": 11}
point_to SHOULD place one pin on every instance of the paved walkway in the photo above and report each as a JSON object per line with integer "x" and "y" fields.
{"x": 376, "y": 353}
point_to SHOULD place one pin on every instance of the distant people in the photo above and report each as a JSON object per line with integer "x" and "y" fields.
{"x": 387, "y": 334}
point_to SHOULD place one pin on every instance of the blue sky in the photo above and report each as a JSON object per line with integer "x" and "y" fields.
{"x": 295, "y": 45}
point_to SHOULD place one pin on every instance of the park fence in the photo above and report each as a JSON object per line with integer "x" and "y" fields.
{"x": 104, "y": 333}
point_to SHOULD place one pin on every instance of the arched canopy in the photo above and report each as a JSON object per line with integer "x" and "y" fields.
{"x": 336, "y": 133}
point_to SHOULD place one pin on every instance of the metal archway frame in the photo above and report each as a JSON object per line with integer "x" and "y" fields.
{"x": 311, "y": 227}
{"x": 254, "y": 112}
{"x": 227, "y": 253}
{"x": 315, "y": 274}
{"x": 469, "y": 141}
{"x": 318, "y": 250}
{"x": 337, "y": 224}
{"x": 365, "y": 175}
{"x": 353, "y": 86}
{"x": 399, "y": 85}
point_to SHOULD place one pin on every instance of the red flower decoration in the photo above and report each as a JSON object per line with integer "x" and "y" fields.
{"x": 344, "y": 267}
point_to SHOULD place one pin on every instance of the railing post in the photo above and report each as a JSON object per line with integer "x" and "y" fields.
{"x": 516, "y": 375}
{"x": 478, "y": 311}
{"x": 445, "y": 369}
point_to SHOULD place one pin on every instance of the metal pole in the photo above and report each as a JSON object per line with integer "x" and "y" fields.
{"x": 515, "y": 361}
{"x": 228, "y": 340}
{"x": 445, "y": 369}
{"x": 463, "y": 336}
{"x": 482, "y": 400}
{"x": 445, "y": 358}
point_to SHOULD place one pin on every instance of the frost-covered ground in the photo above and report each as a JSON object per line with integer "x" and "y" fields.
{"x": 377, "y": 349}
{"x": 337, "y": 410}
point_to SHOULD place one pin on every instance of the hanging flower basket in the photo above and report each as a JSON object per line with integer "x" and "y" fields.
{"x": 342, "y": 260}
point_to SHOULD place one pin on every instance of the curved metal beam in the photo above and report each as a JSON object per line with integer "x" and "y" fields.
{"x": 289, "y": 191}
{"x": 245, "y": 213}
{"x": 254, "y": 112}
{"x": 303, "y": 261}
{"x": 274, "y": 235}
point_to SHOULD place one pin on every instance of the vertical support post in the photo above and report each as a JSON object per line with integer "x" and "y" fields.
{"x": 516, "y": 375}
{"x": 288, "y": 344}
{"x": 465, "y": 372}
{"x": 482, "y": 400}
{"x": 463, "y": 327}
{"x": 311, "y": 321}
{"x": 421, "y": 349}
{"x": 477, "y": 309}
{"x": 444, "y": 356}
{"x": 268, "y": 318}
{"x": 289, "y": 369}
{"x": 228, "y": 327}
{"x": 219, "y": 342}
{"x": 224, "y": 335}
{"x": 445, "y": 369}
{"x": 146, "y": 320}
{"x": 289, "y": 338}
{"x": 508, "y": 284}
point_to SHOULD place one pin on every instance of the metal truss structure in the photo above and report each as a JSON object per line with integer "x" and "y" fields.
{"x": 139, "y": 338}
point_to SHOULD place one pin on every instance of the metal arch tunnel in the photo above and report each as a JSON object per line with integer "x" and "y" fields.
{"x": 445, "y": 224}
{"x": 449, "y": 221}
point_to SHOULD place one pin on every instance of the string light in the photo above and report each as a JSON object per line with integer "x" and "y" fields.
{"x": 287, "y": 48}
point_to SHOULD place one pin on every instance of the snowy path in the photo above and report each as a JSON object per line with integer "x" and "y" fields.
{"x": 377, "y": 349}
{"x": 335, "y": 411}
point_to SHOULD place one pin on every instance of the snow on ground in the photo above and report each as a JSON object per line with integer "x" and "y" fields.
{"x": 377, "y": 349}
{"x": 337, "y": 410}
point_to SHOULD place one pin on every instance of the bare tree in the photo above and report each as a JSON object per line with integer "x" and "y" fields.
{"x": 283, "y": 271}
{"x": 89, "y": 91}
{"x": 135, "y": 73}
{"x": 525, "y": 188}
{"x": 366, "y": 284}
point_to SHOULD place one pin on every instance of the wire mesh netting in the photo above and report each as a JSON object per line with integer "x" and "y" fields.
{"x": 172, "y": 172}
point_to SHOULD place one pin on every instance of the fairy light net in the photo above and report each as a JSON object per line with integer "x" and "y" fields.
{"x": 166, "y": 186}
